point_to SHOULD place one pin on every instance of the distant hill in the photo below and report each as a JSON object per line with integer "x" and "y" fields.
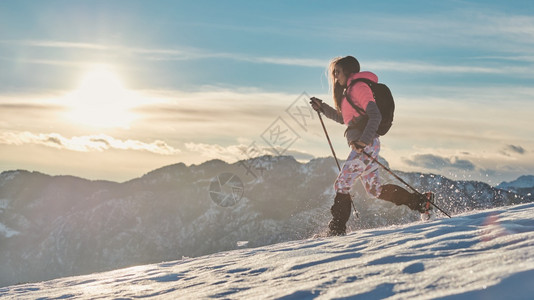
{"x": 522, "y": 185}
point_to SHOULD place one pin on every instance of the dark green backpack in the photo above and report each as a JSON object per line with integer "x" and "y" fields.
{"x": 384, "y": 101}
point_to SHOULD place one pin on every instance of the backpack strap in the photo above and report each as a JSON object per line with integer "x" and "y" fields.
{"x": 347, "y": 93}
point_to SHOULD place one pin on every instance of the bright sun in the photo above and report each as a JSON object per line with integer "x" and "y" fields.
{"x": 101, "y": 100}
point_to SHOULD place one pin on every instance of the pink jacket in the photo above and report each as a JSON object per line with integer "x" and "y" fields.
{"x": 359, "y": 128}
{"x": 361, "y": 95}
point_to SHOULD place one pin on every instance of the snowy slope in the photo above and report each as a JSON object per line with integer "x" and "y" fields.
{"x": 479, "y": 255}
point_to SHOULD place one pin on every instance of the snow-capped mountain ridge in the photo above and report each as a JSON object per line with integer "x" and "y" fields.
{"x": 68, "y": 225}
{"x": 523, "y": 185}
{"x": 525, "y": 181}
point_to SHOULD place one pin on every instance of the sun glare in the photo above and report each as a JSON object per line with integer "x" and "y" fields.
{"x": 101, "y": 100}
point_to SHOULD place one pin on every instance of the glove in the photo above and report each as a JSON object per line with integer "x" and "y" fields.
{"x": 357, "y": 146}
{"x": 316, "y": 104}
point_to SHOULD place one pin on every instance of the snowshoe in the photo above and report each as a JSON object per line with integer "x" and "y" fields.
{"x": 426, "y": 205}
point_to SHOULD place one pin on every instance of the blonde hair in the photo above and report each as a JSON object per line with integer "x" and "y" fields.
{"x": 349, "y": 65}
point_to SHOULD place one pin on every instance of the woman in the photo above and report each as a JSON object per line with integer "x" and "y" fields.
{"x": 361, "y": 136}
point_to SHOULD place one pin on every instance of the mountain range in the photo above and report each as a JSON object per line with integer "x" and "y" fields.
{"x": 56, "y": 226}
{"x": 522, "y": 185}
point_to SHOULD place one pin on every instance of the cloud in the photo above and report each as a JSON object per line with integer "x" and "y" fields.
{"x": 289, "y": 61}
{"x": 89, "y": 143}
{"x": 509, "y": 150}
{"x": 425, "y": 67}
{"x": 212, "y": 151}
{"x": 166, "y": 54}
{"x": 20, "y": 107}
{"x": 188, "y": 53}
{"x": 491, "y": 29}
{"x": 56, "y": 44}
{"x": 230, "y": 153}
{"x": 242, "y": 152}
{"x": 419, "y": 66}
{"x": 434, "y": 162}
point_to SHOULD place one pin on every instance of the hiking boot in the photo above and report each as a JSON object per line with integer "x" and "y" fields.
{"x": 426, "y": 205}
{"x": 340, "y": 214}
{"x": 335, "y": 229}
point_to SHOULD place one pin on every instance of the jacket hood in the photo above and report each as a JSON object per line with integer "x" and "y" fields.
{"x": 365, "y": 74}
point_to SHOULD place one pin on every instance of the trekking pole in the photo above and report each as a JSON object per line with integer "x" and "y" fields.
{"x": 329, "y": 142}
{"x": 401, "y": 180}
{"x": 337, "y": 162}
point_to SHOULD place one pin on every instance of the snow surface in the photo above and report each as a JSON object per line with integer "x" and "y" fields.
{"x": 481, "y": 255}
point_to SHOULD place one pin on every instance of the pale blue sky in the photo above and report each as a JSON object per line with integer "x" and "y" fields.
{"x": 205, "y": 79}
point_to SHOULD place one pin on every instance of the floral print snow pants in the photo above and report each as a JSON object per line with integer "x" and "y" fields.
{"x": 358, "y": 165}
